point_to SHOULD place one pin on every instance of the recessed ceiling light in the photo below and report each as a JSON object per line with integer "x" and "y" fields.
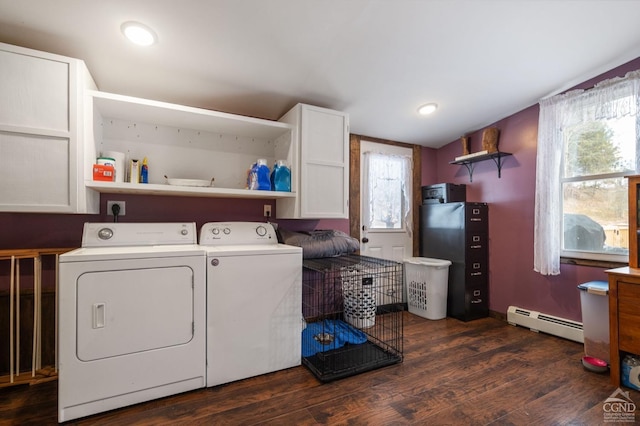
{"x": 427, "y": 109}
{"x": 138, "y": 33}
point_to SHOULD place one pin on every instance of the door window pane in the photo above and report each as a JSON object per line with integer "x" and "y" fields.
{"x": 386, "y": 181}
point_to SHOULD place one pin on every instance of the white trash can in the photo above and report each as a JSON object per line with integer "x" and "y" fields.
{"x": 594, "y": 301}
{"x": 427, "y": 282}
{"x": 359, "y": 292}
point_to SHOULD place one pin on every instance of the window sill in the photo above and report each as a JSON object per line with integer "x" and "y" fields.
{"x": 594, "y": 263}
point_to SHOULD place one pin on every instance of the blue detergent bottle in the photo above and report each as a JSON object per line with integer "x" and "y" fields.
{"x": 281, "y": 176}
{"x": 273, "y": 176}
{"x": 263, "y": 175}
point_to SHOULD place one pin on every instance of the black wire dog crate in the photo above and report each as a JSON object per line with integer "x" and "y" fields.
{"x": 352, "y": 307}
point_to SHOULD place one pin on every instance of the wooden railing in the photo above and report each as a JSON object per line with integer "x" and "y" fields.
{"x": 16, "y": 295}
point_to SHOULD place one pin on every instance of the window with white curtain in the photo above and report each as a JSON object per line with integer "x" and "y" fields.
{"x": 587, "y": 143}
{"x": 387, "y": 198}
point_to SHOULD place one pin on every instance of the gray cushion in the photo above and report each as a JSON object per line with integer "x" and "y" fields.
{"x": 320, "y": 243}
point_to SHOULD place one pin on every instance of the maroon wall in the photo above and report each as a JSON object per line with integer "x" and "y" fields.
{"x": 511, "y": 200}
{"x": 39, "y": 230}
{"x": 429, "y": 166}
{"x": 511, "y": 216}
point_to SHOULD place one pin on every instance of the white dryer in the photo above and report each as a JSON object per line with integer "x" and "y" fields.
{"x": 132, "y": 316}
{"x": 254, "y": 301}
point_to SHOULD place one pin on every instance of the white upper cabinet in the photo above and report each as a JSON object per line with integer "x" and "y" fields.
{"x": 182, "y": 143}
{"x": 321, "y": 164}
{"x": 54, "y": 124}
{"x": 41, "y": 132}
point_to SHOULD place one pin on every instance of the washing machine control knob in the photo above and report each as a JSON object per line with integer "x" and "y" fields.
{"x": 105, "y": 233}
{"x": 215, "y": 262}
{"x": 184, "y": 232}
{"x": 226, "y": 231}
{"x": 261, "y": 230}
{"x": 215, "y": 231}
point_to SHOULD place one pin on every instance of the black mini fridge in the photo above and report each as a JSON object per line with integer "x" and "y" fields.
{"x": 459, "y": 232}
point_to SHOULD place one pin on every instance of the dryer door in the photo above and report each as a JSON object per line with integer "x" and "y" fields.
{"x": 133, "y": 310}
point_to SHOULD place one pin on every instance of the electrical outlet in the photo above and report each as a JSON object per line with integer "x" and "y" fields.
{"x": 110, "y": 205}
{"x": 267, "y": 210}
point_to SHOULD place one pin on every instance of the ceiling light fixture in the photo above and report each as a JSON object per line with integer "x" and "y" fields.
{"x": 427, "y": 109}
{"x": 138, "y": 33}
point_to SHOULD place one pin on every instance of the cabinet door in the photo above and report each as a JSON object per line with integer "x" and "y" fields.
{"x": 39, "y": 132}
{"x": 34, "y": 172}
{"x": 35, "y": 92}
{"x": 628, "y": 316}
{"x": 324, "y": 163}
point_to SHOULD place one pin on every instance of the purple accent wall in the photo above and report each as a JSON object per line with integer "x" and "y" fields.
{"x": 38, "y": 230}
{"x": 429, "y": 166}
{"x": 511, "y": 207}
{"x": 512, "y": 280}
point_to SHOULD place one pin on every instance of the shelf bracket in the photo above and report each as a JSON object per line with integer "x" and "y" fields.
{"x": 470, "y": 167}
{"x": 498, "y": 161}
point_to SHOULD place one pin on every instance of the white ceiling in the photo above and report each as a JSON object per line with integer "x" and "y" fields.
{"x": 378, "y": 60}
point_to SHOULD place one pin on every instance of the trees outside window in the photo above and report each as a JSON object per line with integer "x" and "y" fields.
{"x": 597, "y": 154}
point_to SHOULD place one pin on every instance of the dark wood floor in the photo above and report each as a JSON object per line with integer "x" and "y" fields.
{"x": 476, "y": 373}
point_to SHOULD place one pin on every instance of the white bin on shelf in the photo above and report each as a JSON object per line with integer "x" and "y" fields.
{"x": 427, "y": 282}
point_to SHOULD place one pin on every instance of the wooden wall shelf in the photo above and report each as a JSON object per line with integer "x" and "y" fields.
{"x": 469, "y": 163}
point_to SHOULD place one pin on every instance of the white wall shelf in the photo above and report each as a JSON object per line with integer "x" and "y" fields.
{"x": 469, "y": 163}
{"x": 180, "y": 116}
{"x": 183, "y": 191}
{"x": 181, "y": 141}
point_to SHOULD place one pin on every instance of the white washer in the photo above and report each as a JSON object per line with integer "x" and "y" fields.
{"x": 132, "y": 316}
{"x": 254, "y": 301}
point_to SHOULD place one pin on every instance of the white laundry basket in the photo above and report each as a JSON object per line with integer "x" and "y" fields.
{"x": 427, "y": 282}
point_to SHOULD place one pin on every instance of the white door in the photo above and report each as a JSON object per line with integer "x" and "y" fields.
{"x": 386, "y": 201}
{"x": 130, "y": 311}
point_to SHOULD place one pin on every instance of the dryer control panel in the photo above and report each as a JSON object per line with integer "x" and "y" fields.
{"x": 121, "y": 234}
{"x": 237, "y": 233}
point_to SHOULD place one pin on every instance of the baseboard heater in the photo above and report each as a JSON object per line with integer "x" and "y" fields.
{"x": 549, "y": 324}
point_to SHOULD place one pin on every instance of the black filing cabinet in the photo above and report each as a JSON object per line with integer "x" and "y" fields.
{"x": 459, "y": 232}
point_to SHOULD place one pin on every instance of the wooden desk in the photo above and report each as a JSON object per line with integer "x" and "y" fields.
{"x": 624, "y": 316}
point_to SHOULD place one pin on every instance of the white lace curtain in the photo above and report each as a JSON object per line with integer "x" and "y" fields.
{"x": 386, "y": 166}
{"x": 609, "y": 99}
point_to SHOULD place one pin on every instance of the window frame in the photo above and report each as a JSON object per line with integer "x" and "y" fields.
{"x": 554, "y": 114}
{"x": 584, "y": 254}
